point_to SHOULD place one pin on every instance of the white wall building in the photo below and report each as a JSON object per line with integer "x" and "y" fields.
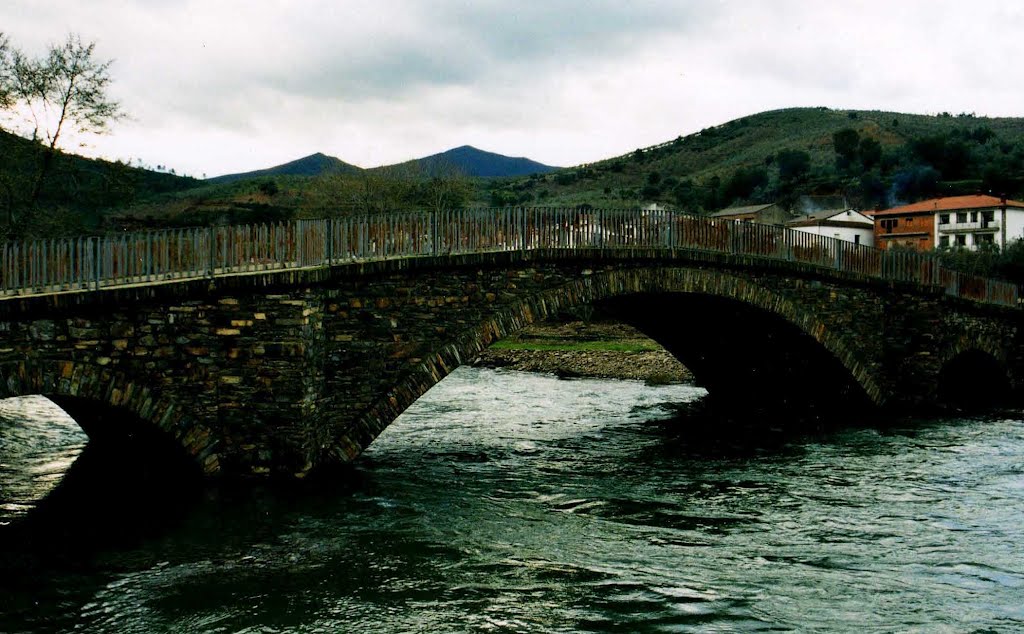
{"x": 971, "y": 221}
{"x": 843, "y": 224}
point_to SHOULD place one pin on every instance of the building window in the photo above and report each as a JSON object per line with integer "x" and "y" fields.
{"x": 987, "y": 217}
{"x": 974, "y": 216}
{"x": 856, "y": 239}
{"x": 961, "y": 216}
{"x": 984, "y": 238}
{"x": 943, "y": 241}
{"x": 943, "y": 219}
{"x": 889, "y": 224}
{"x": 908, "y": 220}
{"x": 961, "y": 241}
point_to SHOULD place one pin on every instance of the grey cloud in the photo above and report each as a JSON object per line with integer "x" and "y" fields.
{"x": 227, "y": 67}
{"x": 479, "y": 44}
{"x": 558, "y": 80}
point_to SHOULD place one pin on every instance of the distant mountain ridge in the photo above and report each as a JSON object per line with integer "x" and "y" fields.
{"x": 312, "y": 165}
{"x": 470, "y": 161}
{"x": 465, "y": 160}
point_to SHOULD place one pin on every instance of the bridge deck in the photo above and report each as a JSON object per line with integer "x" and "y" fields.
{"x": 44, "y": 267}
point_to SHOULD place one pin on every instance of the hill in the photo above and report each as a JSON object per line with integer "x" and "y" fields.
{"x": 313, "y": 165}
{"x": 320, "y": 185}
{"x": 77, "y": 191}
{"x": 465, "y": 160}
{"x": 881, "y": 158}
{"x": 470, "y": 161}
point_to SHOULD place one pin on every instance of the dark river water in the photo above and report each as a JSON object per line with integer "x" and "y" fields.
{"x": 514, "y": 502}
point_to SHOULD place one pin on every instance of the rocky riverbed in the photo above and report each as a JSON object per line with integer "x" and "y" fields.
{"x": 586, "y": 349}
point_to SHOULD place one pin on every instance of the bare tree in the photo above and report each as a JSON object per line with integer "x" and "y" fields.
{"x": 385, "y": 188}
{"x": 406, "y": 186}
{"x": 446, "y": 187}
{"x": 46, "y": 99}
{"x": 328, "y": 195}
{"x": 67, "y": 87}
{"x": 6, "y": 73}
{"x": 8, "y": 176}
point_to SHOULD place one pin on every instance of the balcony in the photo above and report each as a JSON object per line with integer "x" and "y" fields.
{"x": 969, "y": 227}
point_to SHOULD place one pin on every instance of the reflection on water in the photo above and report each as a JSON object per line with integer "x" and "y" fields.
{"x": 38, "y": 443}
{"x": 525, "y": 503}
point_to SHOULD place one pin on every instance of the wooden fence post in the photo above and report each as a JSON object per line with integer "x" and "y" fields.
{"x": 96, "y": 262}
{"x": 212, "y": 250}
{"x": 433, "y": 233}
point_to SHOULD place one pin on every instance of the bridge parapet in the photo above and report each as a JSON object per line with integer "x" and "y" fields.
{"x": 150, "y": 257}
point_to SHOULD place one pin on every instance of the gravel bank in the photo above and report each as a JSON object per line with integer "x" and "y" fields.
{"x": 653, "y": 366}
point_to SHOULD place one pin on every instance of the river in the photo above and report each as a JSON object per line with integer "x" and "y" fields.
{"x": 515, "y": 502}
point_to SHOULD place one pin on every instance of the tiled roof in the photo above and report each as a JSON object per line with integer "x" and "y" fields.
{"x": 950, "y": 203}
{"x": 820, "y": 216}
{"x": 749, "y": 210}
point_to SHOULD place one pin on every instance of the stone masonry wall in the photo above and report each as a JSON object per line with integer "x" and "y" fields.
{"x": 281, "y": 372}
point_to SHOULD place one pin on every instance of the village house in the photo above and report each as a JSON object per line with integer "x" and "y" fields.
{"x": 971, "y": 221}
{"x": 953, "y": 221}
{"x": 842, "y": 224}
{"x": 908, "y": 226}
{"x": 766, "y": 214}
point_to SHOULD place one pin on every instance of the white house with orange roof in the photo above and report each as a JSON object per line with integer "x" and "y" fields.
{"x": 841, "y": 224}
{"x": 953, "y": 221}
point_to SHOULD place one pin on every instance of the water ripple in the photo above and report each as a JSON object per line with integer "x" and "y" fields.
{"x": 525, "y": 503}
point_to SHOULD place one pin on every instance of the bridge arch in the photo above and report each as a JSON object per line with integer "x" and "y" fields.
{"x": 973, "y": 375}
{"x": 593, "y": 288}
{"x": 85, "y": 390}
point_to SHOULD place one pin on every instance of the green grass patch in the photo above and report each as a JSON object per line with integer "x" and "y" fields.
{"x": 577, "y": 346}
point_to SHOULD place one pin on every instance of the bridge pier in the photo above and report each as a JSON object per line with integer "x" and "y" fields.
{"x": 264, "y": 377}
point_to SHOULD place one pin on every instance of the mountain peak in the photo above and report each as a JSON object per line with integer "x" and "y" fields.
{"x": 313, "y": 165}
{"x": 473, "y": 161}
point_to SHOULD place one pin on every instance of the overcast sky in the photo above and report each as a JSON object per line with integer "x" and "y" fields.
{"x": 219, "y": 86}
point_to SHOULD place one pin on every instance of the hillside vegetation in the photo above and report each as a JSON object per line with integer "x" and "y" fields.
{"x": 76, "y": 192}
{"x": 875, "y": 159}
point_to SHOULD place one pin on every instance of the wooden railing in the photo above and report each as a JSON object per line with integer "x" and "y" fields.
{"x": 50, "y": 266}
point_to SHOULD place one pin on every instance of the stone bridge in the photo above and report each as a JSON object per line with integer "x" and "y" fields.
{"x": 282, "y": 371}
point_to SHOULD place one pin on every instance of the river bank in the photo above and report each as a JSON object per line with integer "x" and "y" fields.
{"x": 606, "y": 350}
